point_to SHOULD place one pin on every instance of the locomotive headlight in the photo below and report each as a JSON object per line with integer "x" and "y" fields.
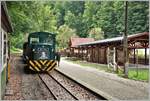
{"x": 33, "y": 50}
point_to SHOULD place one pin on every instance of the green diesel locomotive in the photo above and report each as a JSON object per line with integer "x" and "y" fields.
{"x": 39, "y": 52}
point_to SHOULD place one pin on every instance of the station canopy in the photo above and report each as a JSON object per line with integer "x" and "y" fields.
{"x": 140, "y": 40}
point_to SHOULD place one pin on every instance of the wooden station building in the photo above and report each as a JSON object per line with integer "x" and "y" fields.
{"x": 73, "y": 48}
{"x": 97, "y": 51}
{"x": 4, "y": 47}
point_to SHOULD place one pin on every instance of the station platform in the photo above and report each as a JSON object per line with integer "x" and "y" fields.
{"x": 108, "y": 85}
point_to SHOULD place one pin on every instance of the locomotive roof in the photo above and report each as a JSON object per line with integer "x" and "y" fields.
{"x": 39, "y": 33}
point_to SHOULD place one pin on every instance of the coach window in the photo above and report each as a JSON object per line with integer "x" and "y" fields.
{"x": 5, "y": 47}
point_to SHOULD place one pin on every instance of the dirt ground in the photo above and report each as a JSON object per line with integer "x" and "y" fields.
{"x": 24, "y": 85}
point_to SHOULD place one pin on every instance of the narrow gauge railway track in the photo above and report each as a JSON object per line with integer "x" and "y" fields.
{"x": 57, "y": 89}
{"x": 63, "y": 87}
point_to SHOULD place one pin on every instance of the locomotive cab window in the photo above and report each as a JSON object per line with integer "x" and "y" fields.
{"x": 41, "y": 39}
{"x": 34, "y": 40}
{"x": 49, "y": 39}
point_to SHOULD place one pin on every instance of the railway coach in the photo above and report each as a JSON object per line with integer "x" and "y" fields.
{"x": 6, "y": 28}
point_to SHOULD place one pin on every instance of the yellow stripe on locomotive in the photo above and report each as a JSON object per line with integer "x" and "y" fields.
{"x": 42, "y": 65}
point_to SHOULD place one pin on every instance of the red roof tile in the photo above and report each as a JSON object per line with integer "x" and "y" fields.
{"x": 76, "y": 41}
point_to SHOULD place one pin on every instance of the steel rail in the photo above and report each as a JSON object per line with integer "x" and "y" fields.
{"x": 63, "y": 87}
{"x": 55, "y": 98}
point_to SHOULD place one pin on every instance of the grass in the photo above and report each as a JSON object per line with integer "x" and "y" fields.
{"x": 143, "y": 74}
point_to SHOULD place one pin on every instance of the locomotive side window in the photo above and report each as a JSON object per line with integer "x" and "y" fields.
{"x": 49, "y": 39}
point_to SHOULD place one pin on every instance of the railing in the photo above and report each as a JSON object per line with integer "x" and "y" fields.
{"x": 101, "y": 59}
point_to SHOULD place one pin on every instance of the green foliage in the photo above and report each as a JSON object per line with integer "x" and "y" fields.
{"x": 138, "y": 20}
{"x": 77, "y": 8}
{"x": 81, "y": 17}
{"x": 77, "y": 23}
{"x": 64, "y": 34}
{"x": 15, "y": 50}
{"x": 96, "y": 33}
{"x": 109, "y": 16}
{"x": 89, "y": 16}
{"x": 17, "y": 40}
{"x": 112, "y": 17}
{"x": 30, "y": 17}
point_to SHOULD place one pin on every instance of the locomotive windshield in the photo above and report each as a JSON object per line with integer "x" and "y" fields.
{"x": 41, "y": 38}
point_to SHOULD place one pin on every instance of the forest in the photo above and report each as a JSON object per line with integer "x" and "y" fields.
{"x": 95, "y": 19}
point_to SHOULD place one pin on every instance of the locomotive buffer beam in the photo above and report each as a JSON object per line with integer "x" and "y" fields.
{"x": 42, "y": 65}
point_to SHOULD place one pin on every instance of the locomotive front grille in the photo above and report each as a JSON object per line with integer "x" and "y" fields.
{"x": 41, "y": 53}
{"x": 42, "y": 65}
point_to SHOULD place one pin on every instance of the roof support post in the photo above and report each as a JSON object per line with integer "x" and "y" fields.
{"x": 82, "y": 50}
{"x": 105, "y": 54}
{"x": 73, "y": 51}
{"x": 125, "y": 42}
{"x": 145, "y": 56}
{"x": 134, "y": 55}
{"x": 78, "y": 52}
{"x": 116, "y": 59}
{"x": 98, "y": 53}
{"x": 86, "y": 53}
{"x": 81, "y": 53}
{"x": 116, "y": 55}
{"x": 91, "y": 53}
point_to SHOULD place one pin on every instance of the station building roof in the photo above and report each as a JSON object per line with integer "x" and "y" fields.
{"x": 144, "y": 35}
{"x": 74, "y": 42}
